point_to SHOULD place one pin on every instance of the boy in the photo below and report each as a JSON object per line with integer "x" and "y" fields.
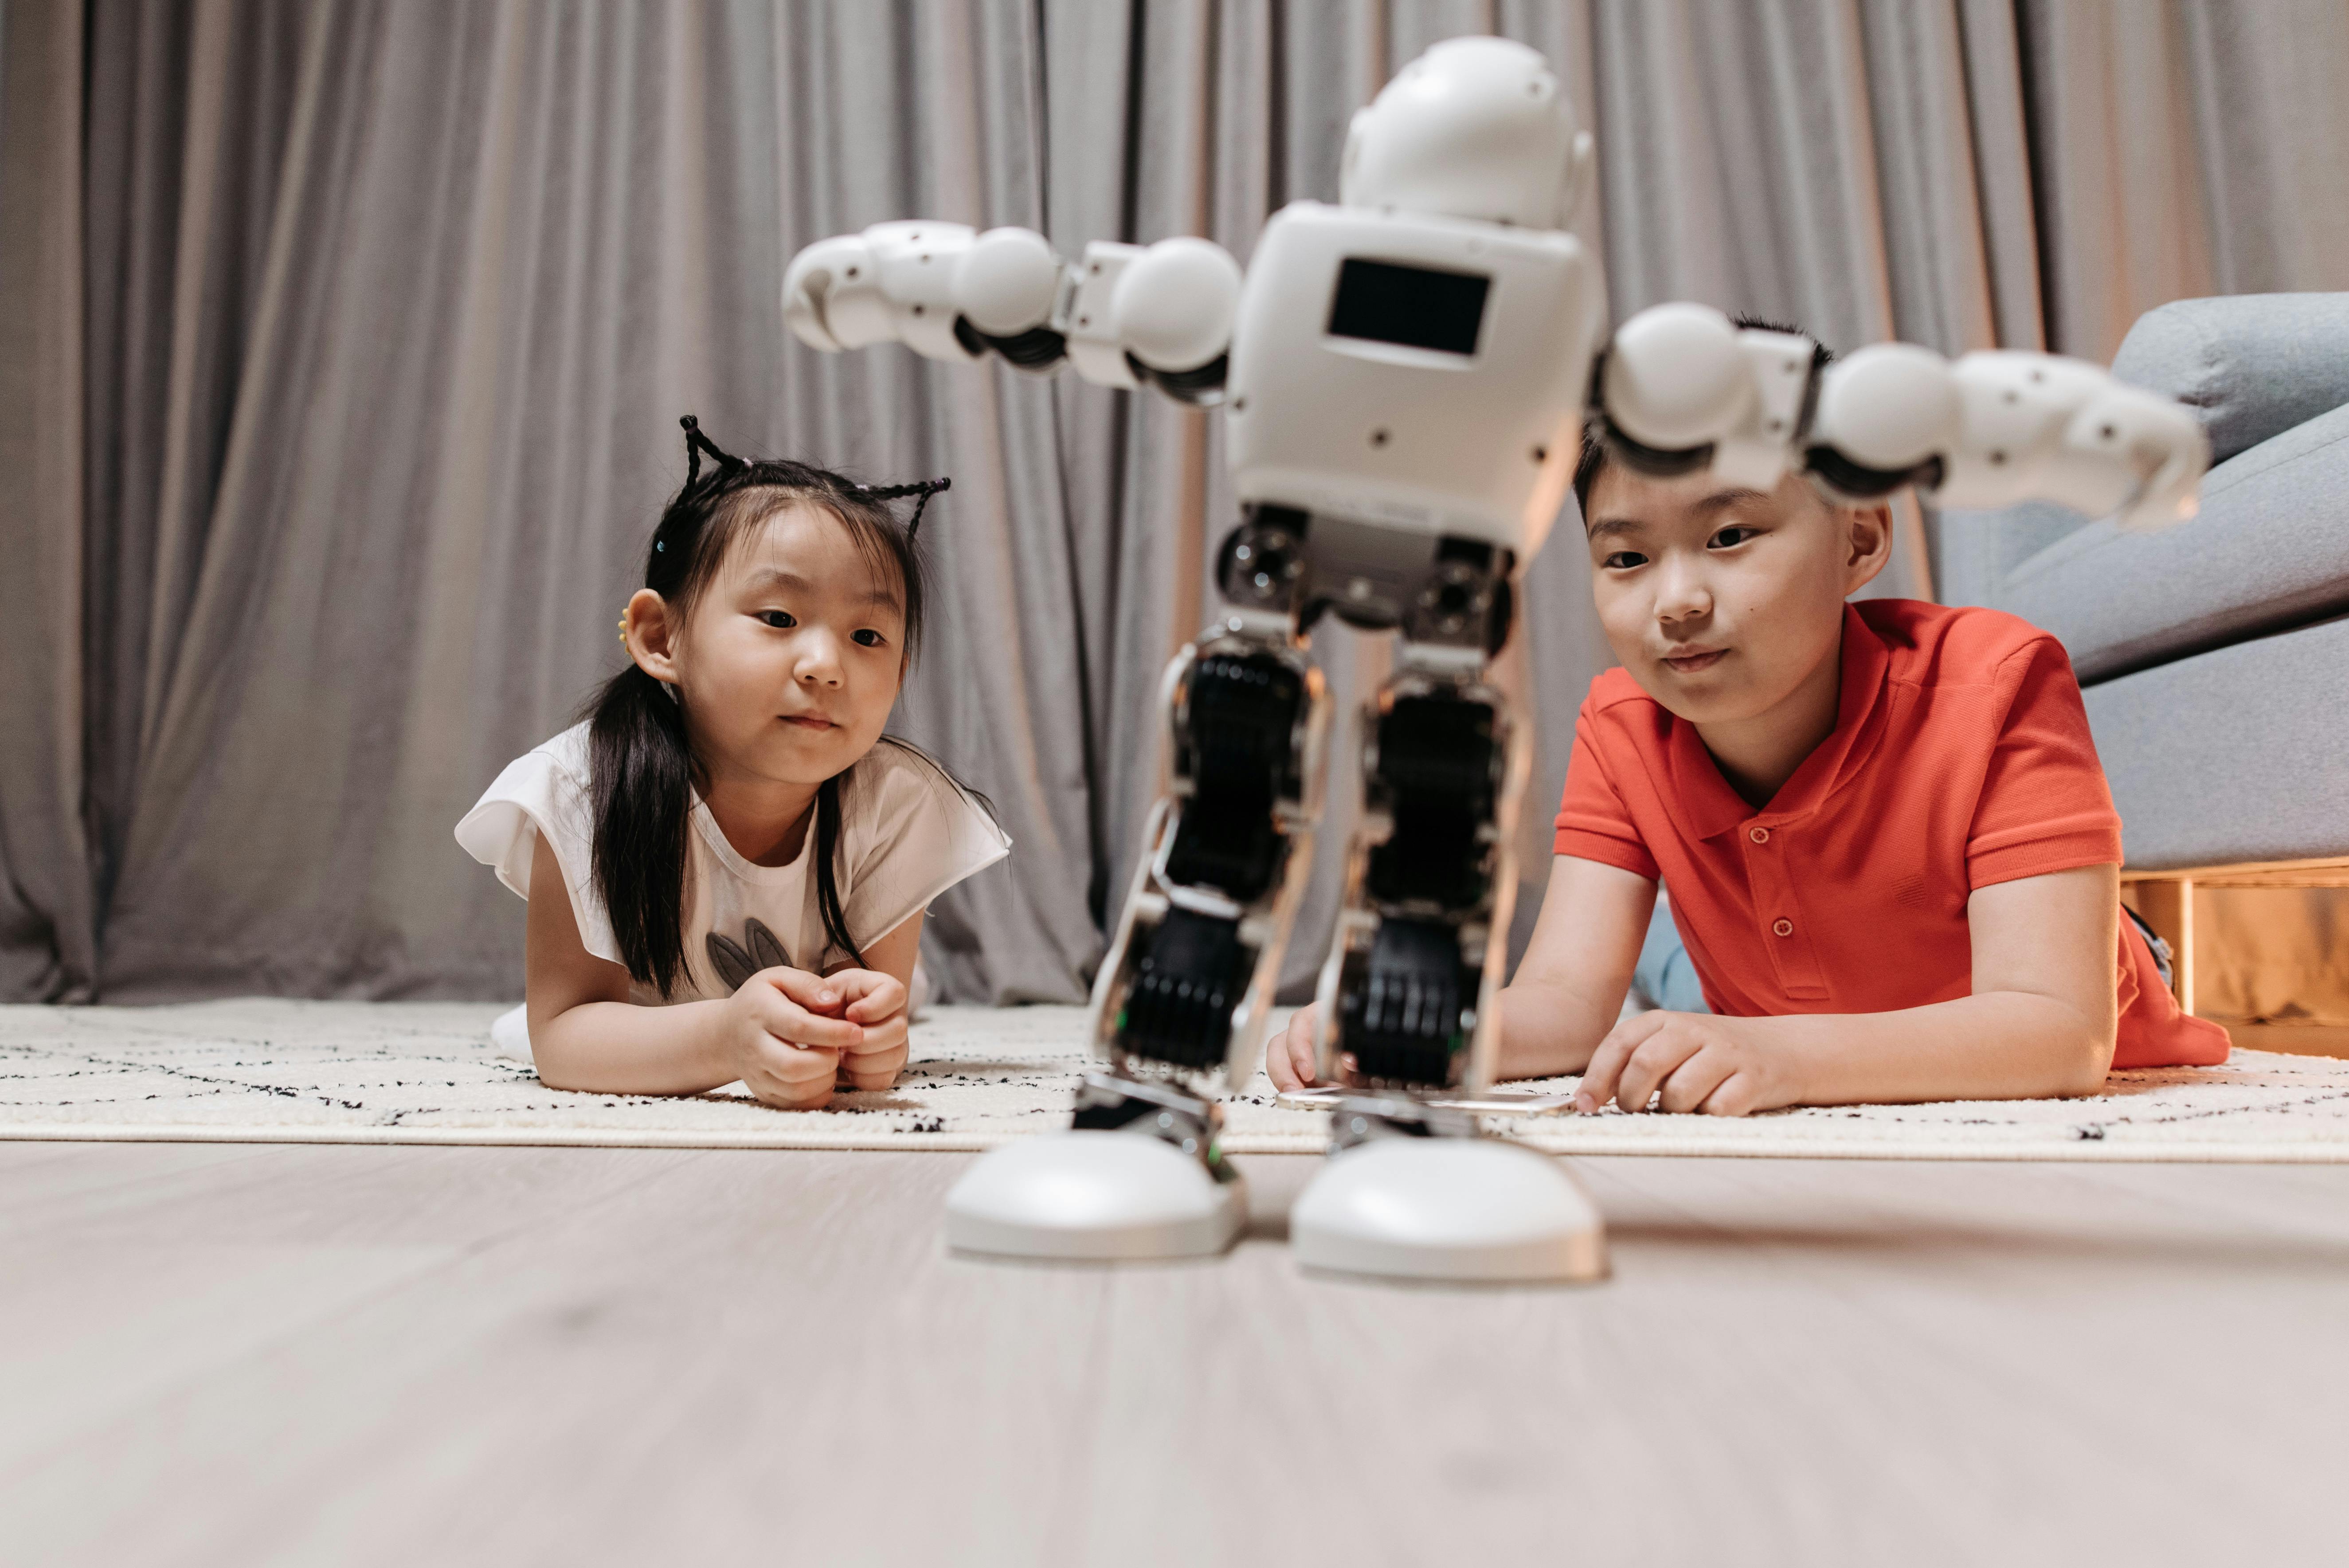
{"x": 1892, "y": 852}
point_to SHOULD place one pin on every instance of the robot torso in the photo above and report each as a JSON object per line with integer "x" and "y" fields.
{"x": 1410, "y": 371}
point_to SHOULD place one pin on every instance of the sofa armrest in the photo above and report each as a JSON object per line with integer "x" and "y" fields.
{"x": 2248, "y": 366}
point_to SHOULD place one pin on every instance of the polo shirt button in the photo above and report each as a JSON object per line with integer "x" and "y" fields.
{"x": 1785, "y": 928}
{"x": 1760, "y": 836}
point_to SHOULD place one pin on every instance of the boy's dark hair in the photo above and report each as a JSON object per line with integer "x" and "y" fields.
{"x": 1593, "y": 456}
{"x": 642, "y": 772}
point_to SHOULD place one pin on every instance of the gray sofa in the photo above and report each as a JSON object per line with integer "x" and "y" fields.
{"x": 2215, "y": 655}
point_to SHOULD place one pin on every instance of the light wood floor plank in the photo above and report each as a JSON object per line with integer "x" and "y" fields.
{"x": 392, "y": 1355}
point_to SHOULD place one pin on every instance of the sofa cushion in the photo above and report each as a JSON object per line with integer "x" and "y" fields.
{"x": 2270, "y": 550}
{"x": 2249, "y": 365}
{"x": 2234, "y": 755}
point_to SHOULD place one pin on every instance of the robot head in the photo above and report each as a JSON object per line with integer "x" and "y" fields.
{"x": 1475, "y": 128}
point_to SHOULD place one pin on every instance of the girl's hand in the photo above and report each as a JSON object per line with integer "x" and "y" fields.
{"x": 781, "y": 1034}
{"x": 1289, "y": 1056}
{"x": 1701, "y": 1062}
{"x": 876, "y": 1003}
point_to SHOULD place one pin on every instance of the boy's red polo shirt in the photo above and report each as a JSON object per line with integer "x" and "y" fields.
{"x": 1960, "y": 757}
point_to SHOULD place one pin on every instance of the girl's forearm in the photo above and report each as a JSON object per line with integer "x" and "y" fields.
{"x": 621, "y": 1048}
{"x": 1996, "y": 1044}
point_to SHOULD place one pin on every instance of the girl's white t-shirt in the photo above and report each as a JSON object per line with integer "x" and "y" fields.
{"x": 907, "y": 834}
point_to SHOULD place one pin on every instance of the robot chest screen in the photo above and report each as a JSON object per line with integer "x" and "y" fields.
{"x": 1417, "y": 307}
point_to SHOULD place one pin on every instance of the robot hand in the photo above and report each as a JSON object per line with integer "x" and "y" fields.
{"x": 1682, "y": 388}
{"x": 1125, "y": 316}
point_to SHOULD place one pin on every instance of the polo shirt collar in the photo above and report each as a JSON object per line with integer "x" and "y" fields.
{"x": 1707, "y": 802}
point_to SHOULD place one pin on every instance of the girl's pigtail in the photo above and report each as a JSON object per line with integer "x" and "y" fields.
{"x": 641, "y": 775}
{"x": 827, "y": 878}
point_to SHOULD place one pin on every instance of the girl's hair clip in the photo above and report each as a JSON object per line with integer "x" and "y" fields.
{"x": 923, "y": 488}
{"x": 696, "y": 443}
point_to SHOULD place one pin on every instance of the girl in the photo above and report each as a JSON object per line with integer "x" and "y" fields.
{"x": 735, "y": 860}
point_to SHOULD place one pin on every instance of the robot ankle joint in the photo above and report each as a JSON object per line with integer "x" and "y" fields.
{"x": 1108, "y": 1103}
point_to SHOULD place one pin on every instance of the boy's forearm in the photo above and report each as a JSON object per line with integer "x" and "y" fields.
{"x": 621, "y": 1048}
{"x": 1577, "y": 969}
{"x": 1546, "y": 1030}
{"x": 1996, "y": 1044}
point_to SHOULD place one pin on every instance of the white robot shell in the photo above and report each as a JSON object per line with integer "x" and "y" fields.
{"x": 1872, "y": 407}
{"x": 893, "y": 283}
{"x": 833, "y": 299}
{"x": 1474, "y": 128}
{"x": 1674, "y": 376}
{"x": 1008, "y": 281}
{"x": 1440, "y": 415}
{"x": 2035, "y": 426}
{"x": 1998, "y": 427}
{"x": 1683, "y": 377}
{"x": 1174, "y": 303}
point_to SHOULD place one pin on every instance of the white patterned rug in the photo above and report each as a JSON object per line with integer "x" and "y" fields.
{"x": 271, "y": 1070}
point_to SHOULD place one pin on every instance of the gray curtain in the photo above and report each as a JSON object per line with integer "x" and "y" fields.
{"x": 47, "y": 918}
{"x": 342, "y": 344}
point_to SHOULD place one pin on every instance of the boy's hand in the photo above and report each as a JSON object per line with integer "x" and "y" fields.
{"x": 781, "y": 1034}
{"x": 875, "y": 1003}
{"x": 1701, "y": 1062}
{"x": 1289, "y": 1056}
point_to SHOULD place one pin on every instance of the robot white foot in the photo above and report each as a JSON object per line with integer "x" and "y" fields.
{"x": 1095, "y": 1195}
{"x": 1139, "y": 1176}
{"x": 1180, "y": 1003}
{"x": 1462, "y": 1209}
{"x": 1407, "y": 997}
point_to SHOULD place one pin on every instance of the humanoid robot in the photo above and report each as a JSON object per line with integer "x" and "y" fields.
{"x": 1405, "y": 377}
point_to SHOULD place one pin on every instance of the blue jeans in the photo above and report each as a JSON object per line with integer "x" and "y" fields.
{"x": 1665, "y": 976}
{"x": 2161, "y": 957}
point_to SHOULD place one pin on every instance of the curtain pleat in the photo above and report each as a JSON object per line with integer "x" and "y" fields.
{"x": 343, "y": 342}
{"x": 48, "y": 922}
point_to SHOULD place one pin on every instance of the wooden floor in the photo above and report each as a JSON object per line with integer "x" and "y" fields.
{"x": 366, "y": 1355}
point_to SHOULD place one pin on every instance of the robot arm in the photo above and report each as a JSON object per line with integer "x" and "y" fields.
{"x": 1124, "y": 316}
{"x": 1682, "y": 388}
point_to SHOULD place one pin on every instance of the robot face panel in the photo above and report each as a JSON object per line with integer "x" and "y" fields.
{"x": 1408, "y": 371}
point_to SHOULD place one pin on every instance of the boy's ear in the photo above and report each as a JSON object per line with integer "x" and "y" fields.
{"x": 1867, "y": 543}
{"x": 652, "y": 634}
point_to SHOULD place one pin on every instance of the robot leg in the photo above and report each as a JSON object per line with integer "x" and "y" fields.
{"x": 1407, "y": 993}
{"x": 1184, "y": 992}
{"x": 1407, "y": 999}
{"x": 1180, "y": 1001}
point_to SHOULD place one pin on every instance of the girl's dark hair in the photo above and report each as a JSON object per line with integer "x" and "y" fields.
{"x": 641, "y": 768}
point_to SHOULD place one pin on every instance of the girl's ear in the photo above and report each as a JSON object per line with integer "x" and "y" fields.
{"x": 652, "y": 633}
{"x": 1869, "y": 544}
